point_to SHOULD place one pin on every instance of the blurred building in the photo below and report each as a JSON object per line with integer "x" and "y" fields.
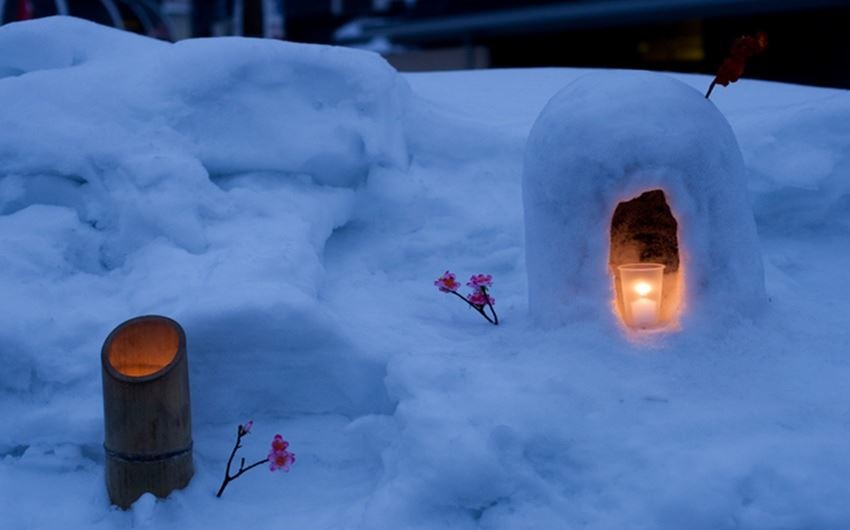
{"x": 808, "y": 38}
{"x": 808, "y": 42}
{"x": 139, "y": 16}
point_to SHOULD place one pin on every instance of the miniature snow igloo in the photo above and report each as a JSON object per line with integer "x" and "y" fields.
{"x": 636, "y": 206}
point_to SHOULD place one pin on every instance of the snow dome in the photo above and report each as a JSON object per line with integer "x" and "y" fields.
{"x": 635, "y": 168}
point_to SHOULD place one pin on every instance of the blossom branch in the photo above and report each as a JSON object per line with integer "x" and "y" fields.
{"x": 490, "y": 305}
{"x": 478, "y": 299}
{"x": 478, "y": 308}
{"x": 279, "y": 457}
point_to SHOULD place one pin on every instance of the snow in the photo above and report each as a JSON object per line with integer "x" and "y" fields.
{"x": 606, "y": 138}
{"x": 187, "y": 180}
{"x": 233, "y": 105}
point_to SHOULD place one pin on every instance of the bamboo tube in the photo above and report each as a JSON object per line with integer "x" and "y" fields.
{"x": 146, "y": 409}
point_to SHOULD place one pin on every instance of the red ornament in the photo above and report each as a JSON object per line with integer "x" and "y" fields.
{"x": 732, "y": 67}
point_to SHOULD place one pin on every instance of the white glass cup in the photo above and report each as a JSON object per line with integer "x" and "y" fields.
{"x": 640, "y": 285}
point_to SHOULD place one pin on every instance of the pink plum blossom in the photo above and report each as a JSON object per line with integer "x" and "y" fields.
{"x": 480, "y": 298}
{"x": 282, "y": 460}
{"x": 477, "y": 281}
{"x": 279, "y": 457}
{"x": 279, "y": 444}
{"x": 447, "y": 282}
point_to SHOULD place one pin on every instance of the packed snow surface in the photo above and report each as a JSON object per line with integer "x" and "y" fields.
{"x": 291, "y": 206}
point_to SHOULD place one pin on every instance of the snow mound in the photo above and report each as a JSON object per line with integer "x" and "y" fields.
{"x": 198, "y": 180}
{"x": 62, "y": 42}
{"x": 798, "y": 162}
{"x": 607, "y": 138}
{"x": 233, "y": 104}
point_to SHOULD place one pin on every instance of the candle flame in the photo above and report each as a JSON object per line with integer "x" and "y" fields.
{"x": 643, "y": 288}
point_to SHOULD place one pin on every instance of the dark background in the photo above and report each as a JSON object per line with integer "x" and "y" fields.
{"x": 809, "y": 39}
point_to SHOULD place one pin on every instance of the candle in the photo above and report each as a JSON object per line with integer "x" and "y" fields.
{"x": 644, "y": 312}
{"x": 641, "y": 291}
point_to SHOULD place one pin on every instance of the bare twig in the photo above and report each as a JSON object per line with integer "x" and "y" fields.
{"x": 240, "y": 432}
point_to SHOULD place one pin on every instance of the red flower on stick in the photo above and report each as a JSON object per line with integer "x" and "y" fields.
{"x": 279, "y": 457}
{"x": 478, "y": 299}
{"x": 733, "y": 66}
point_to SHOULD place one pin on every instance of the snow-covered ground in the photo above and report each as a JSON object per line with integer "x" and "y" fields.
{"x": 291, "y": 207}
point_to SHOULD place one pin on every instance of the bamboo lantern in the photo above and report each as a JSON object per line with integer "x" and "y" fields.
{"x": 146, "y": 410}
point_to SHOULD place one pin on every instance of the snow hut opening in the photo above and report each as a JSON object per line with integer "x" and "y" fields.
{"x": 644, "y": 231}
{"x": 143, "y": 347}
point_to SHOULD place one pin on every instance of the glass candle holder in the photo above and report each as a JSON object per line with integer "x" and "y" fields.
{"x": 640, "y": 285}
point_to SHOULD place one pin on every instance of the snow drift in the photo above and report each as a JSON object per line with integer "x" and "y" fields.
{"x": 198, "y": 180}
